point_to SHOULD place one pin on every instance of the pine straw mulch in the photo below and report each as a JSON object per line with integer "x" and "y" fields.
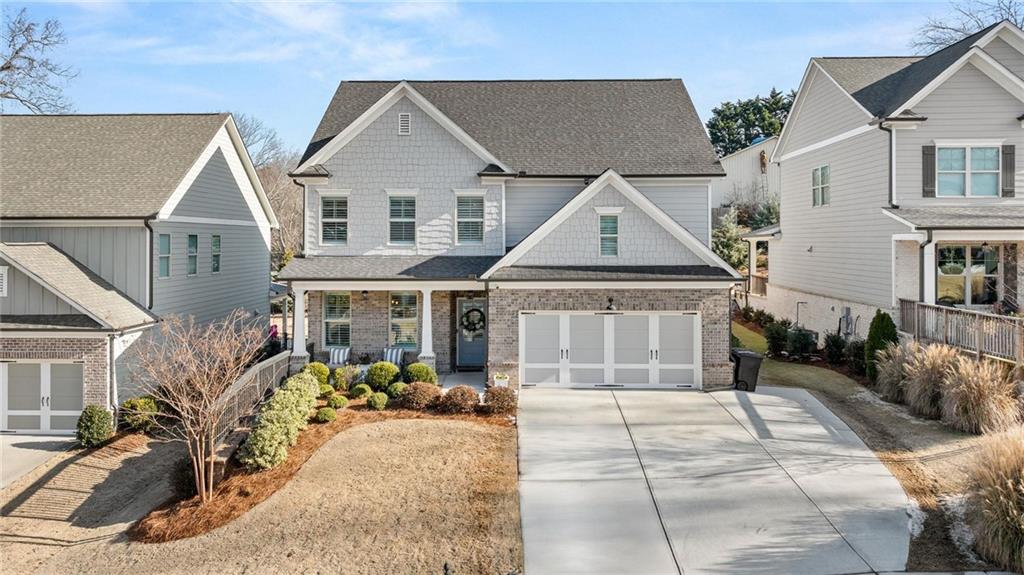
{"x": 240, "y": 490}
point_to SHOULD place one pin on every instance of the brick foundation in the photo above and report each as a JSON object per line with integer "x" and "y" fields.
{"x": 94, "y": 352}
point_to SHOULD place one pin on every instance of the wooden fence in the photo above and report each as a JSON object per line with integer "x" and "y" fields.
{"x": 986, "y": 334}
{"x": 246, "y": 394}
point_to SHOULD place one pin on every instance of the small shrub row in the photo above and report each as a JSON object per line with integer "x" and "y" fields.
{"x": 279, "y": 422}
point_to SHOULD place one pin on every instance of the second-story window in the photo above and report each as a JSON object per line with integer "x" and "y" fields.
{"x": 609, "y": 233}
{"x": 402, "y": 220}
{"x": 164, "y": 247}
{"x": 967, "y": 171}
{"x": 469, "y": 219}
{"x": 215, "y": 254}
{"x": 192, "y": 255}
{"x": 821, "y": 186}
{"x": 334, "y": 220}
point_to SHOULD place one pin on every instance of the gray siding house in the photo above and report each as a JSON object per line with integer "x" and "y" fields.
{"x": 107, "y": 224}
{"x": 901, "y": 187}
{"x": 555, "y": 231}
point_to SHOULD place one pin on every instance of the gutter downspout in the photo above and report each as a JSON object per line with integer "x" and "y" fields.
{"x": 892, "y": 167}
{"x": 111, "y": 375}
{"x": 149, "y": 260}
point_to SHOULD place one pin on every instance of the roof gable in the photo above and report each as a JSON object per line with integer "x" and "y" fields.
{"x": 822, "y": 109}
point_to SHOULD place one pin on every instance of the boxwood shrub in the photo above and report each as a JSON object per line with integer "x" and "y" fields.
{"x": 378, "y": 400}
{"x": 138, "y": 414}
{"x": 459, "y": 399}
{"x": 420, "y": 395}
{"x": 396, "y": 389}
{"x": 420, "y": 372}
{"x": 95, "y": 426}
{"x": 337, "y": 401}
{"x": 320, "y": 371}
{"x": 325, "y": 415}
{"x": 360, "y": 390}
{"x": 382, "y": 374}
{"x": 499, "y": 401}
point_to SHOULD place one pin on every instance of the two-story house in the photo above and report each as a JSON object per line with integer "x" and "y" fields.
{"x": 556, "y": 231}
{"x": 108, "y": 223}
{"x": 899, "y": 184}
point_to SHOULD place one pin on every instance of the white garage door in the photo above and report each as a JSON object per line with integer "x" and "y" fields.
{"x": 610, "y": 349}
{"x": 40, "y": 397}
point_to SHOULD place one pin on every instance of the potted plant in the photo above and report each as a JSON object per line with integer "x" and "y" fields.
{"x": 500, "y": 379}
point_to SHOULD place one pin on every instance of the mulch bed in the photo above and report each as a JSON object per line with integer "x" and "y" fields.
{"x": 241, "y": 489}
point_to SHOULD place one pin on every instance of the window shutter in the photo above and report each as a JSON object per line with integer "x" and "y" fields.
{"x": 1009, "y": 170}
{"x": 928, "y": 171}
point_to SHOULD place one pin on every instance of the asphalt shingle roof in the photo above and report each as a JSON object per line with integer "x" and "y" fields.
{"x": 969, "y": 217}
{"x": 387, "y": 268}
{"x": 557, "y": 127}
{"x": 610, "y": 273}
{"x": 881, "y": 85}
{"x": 97, "y": 165}
{"x": 82, "y": 287}
{"x": 48, "y": 322}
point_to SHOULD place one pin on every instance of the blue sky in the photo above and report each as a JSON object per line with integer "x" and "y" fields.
{"x": 282, "y": 61}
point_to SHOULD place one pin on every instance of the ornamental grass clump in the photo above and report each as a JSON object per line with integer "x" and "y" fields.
{"x": 419, "y": 395}
{"x": 459, "y": 399}
{"x": 382, "y": 374}
{"x": 925, "y": 371}
{"x": 320, "y": 371}
{"x": 345, "y": 376}
{"x": 978, "y": 397}
{"x": 892, "y": 369}
{"x": 995, "y": 509}
{"x": 420, "y": 372}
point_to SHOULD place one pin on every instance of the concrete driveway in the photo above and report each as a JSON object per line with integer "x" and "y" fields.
{"x": 20, "y": 454}
{"x": 685, "y": 482}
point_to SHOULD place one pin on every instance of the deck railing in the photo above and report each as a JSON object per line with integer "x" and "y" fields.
{"x": 245, "y": 395}
{"x": 985, "y": 334}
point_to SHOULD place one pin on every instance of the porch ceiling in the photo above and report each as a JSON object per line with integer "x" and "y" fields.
{"x": 989, "y": 217}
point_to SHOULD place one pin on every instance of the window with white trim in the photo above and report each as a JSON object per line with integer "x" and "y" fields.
{"x": 3, "y": 281}
{"x": 337, "y": 319}
{"x": 967, "y": 274}
{"x": 192, "y": 255}
{"x": 821, "y": 186}
{"x": 334, "y": 220}
{"x": 215, "y": 254}
{"x": 967, "y": 171}
{"x": 402, "y": 220}
{"x": 404, "y": 124}
{"x": 469, "y": 215}
{"x": 402, "y": 315}
{"x": 164, "y": 255}
{"x": 609, "y": 235}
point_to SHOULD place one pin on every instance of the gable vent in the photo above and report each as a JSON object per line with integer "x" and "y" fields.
{"x": 3, "y": 281}
{"x": 404, "y": 124}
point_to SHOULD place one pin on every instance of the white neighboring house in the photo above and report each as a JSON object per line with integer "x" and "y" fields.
{"x": 900, "y": 182}
{"x": 749, "y": 175}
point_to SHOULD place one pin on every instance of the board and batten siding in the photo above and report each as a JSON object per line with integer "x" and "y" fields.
{"x": 822, "y": 111}
{"x": 527, "y": 206}
{"x": 116, "y": 253}
{"x": 429, "y": 160}
{"x": 842, "y": 250}
{"x": 967, "y": 106}
{"x": 26, "y": 296}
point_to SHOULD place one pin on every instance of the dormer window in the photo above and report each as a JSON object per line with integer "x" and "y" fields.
{"x": 404, "y": 124}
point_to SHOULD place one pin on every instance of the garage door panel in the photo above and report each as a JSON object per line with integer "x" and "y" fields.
{"x": 675, "y": 339}
{"x": 24, "y": 422}
{"x": 632, "y": 376}
{"x": 542, "y": 343}
{"x": 683, "y": 376}
{"x": 542, "y": 375}
{"x": 63, "y": 422}
{"x": 632, "y": 339}
{"x": 586, "y": 376}
{"x": 24, "y": 386}
{"x": 66, "y": 387}
{"x": 586, "y": 339}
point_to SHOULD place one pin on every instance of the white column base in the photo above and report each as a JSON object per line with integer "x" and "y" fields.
{"x": 427, "y": 359}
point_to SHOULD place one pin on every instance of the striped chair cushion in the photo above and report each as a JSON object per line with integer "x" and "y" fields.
{"x": 338, "y": 355}
{"x": 393, "y": 354}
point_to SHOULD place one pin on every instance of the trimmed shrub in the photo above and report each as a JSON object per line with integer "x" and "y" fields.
{"x": 459, "y": 399}
{"x": 995, "y": 509}
{"x": 285, "y": 422}
{"x": 320, "y": 371}
{"x": 337, "y": 401}
{"x": 786, "y": 323}
{"x": 757, "y": 316}
{"x": 835, "y": 345}
{"x": 881, "y": 333}
{"x": 420, "y": 395}
{"x": 360, "y": 390}
{"x": 800, "y": 342}
{"x": 294, "y": 402}
{"x": 396, "y": 389}
{"x": 747, "y": 313}
{"x": 854, "y": 353}
{"x": 95, "y": 426}
{"x": 420, "y": 372}
{"x": 326, "y": 390}
{"x": 345, "y": 376}
{"x": 378, "y": 401}
{"x": 305, "y": 384}
{"x": 381, "y": 374}
{"x": 267, "y": 444}
{"x": 325, "y": 415}
{"x": 978, "y": 397}
{"x": 892, "y": 369}
{"x": 925, "y": 370}
{"x": 138, "y": 414}
{"x": 499, "y": 401}
{"x": 776, "y": 336}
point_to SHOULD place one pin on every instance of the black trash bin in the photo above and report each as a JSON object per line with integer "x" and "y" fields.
{"x": 745, "y": 366}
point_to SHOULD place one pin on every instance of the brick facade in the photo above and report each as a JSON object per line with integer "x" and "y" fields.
{"x": 94, "y": 352}
{"x": 505, "y": 305}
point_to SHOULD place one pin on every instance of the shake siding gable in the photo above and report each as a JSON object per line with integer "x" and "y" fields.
{"x": 822, "y": 111}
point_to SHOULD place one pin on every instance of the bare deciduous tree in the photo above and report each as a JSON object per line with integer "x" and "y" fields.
{"x": 261, "y": 140}
{"x": 27, "y": 75}
{"x": 187, "y": 371}
{"x": 967, "y": 17}
{"x": 286, "y": 199}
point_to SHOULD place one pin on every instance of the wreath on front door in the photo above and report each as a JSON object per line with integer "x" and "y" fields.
{"x": 472, "y": 323}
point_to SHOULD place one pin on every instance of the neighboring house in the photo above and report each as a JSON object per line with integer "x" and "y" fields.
{"x": 750, "y": 176}
{"x": 901, "y": 181}
{"x": 554, "y": 230}
{"x": 108, "y": 223}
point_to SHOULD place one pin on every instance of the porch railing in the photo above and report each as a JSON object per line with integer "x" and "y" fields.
{"x": 985, "y": 334}
{"x": 245, "y": 395}
{"x": 757, "y": 284}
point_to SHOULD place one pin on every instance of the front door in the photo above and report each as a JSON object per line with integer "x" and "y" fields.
{"x": 471, "y": 325}
{"x": 40, "y": 397}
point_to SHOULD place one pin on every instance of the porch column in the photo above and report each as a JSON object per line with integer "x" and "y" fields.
{"x": 427, "y": 330}
{"x": 299, "y": 326}
{"x": 928, "y": 269}
{"x": 752, "y": 257}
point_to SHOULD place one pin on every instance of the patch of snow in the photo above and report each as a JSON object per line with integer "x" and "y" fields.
{"x": 868, "y": 396}
{"x": 959, "y": 531}
{"x": 917, "y": 518}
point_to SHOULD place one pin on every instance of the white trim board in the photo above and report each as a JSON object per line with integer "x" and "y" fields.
{"x": 401, "y": 90}
{"x": 612, "y": 178}
{"x": 72, "y": 223}
{"x": 613, "y": 285}
{"x": 826, "y": 142}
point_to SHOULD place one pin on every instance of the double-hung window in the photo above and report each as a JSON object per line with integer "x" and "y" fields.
{"x": 402, "y": 220}
{"x": 609, "y": 234}
{"x": 967, "y": 171}
{"x": 821, "y": 186}
{"x": 334, "y": 220}
{"x": 192, "y": 255}
{"x": 337, "y": 319}
{"x": 967, "y": 275}
{"x": 403, "y": 314}
{"x": 164, "y": 255}
{"x": 215, "y": 254}
{"x": 469, "y": 216}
